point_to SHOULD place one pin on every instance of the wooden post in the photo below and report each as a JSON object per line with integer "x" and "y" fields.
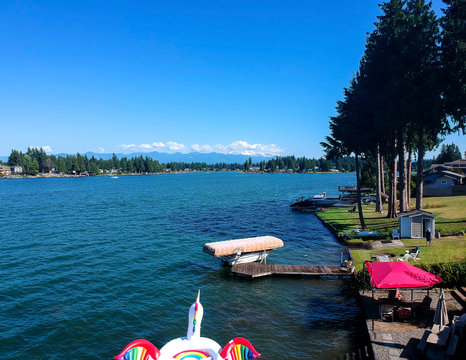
{"x": 373, "y": 312}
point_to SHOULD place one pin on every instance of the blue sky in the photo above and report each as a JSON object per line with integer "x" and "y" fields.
{"x": 254, "y": 77}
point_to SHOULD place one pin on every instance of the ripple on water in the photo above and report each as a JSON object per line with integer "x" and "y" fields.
{"x": 90, "y": 264}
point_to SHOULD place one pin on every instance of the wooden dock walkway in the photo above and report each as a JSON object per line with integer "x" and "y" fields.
{"x": 255, "y": 270}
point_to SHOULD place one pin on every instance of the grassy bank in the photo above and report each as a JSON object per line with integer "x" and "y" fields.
{"x": 450, "y": 211}
{"x": 451, "y": 220}
{"x": 445, "y": 249}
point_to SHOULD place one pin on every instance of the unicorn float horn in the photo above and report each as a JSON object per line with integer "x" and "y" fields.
{"x": 196, "y": 312}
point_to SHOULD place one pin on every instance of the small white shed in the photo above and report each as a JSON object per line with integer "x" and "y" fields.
{"x": 413, "y": 224}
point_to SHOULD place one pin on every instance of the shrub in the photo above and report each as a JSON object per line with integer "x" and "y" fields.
{"x": 453, "y": 273}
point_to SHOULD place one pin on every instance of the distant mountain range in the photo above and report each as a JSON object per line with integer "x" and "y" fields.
{"x": 208, "y": 158}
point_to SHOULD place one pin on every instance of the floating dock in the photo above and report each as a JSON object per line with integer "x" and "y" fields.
{"x": 254, "y": 270}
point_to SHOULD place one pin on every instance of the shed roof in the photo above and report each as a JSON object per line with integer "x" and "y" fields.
{"x": 414, "y": 213}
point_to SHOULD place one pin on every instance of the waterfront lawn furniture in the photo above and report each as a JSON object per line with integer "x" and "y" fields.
{"x": 387, "y": 312}
{"x": 243, "y": 250}
{"x": 414, "y": 256}
{"x": 403, "y": 313}
{"x": 422, "y": 306}
{"x": 405, "y": 257}
{"x": 395, "y": 234}
{"x": 398, "y": 274}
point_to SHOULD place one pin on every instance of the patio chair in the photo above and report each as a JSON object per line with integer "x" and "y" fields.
{"x": 414, "y": 256}
{"x": 403, "y": 313}
{"x": 405, "y": 257}
{"x": 395, "y": 234}
{"x": 422, "y": 306}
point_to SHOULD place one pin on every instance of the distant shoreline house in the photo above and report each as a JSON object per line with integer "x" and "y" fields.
{"x": 447, "y": 179}
{"x": 5, "y": 170}
{"x": 16, "y": 169}
{"x": 10, "y": 170}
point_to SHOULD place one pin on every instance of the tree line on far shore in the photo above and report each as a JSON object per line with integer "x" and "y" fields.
{"x": 36, "y": 161}
{"x": 409, "y": 91}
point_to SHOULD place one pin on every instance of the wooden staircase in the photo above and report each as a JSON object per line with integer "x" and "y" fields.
{"x": 460, "y": 296}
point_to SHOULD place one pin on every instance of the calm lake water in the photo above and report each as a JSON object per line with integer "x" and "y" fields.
{"x": 89, "y": 264}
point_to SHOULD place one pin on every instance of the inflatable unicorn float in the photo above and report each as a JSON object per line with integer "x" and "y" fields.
{"x": 191, "y": 347}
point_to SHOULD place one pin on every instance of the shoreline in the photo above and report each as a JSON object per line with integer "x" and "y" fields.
{"x": 400, "y": 338}
{"x": 57, "y": 176}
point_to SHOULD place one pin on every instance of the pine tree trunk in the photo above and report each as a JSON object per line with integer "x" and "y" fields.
{"x": 358, "y": 187}
{"x": 378, "y": 195}
{"x": 392, "y": 183}
{"x": 382, "y": 173}
{"x": 420, "y": 169}
{"x": 402, "y": 173}
{"x": 409, "y": 165}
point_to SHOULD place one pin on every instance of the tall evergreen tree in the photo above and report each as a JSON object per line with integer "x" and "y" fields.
{"x": 453, "y": 48}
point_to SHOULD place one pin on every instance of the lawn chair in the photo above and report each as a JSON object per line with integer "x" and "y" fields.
{"x": 405, "y": 257}
{"x": 414, "y": 256}
{"x": 395, "y": 234}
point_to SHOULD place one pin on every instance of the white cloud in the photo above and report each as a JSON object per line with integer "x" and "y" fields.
{"x": 174, "y": 146}
{"x": 100, "y": 149}
{"x": 158, "y": 144}
{"x": 244, "y": 148}
{"x": 202, "y": 148}
{"x": 237, "y": 147}
{"x": 46, "y": 148}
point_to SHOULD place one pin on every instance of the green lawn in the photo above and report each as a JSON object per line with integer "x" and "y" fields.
{"x": 451, "y": 212}
{"x": 445, "y": 249}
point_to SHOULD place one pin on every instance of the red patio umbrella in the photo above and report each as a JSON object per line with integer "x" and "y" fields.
{"x": 398, "y": 274}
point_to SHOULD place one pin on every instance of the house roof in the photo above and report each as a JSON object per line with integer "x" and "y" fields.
{"x": 414, "y": 213}
{"x": 449, "y": 174}
{"x": 435, "y": 166}
{"x": 459, "y": 162}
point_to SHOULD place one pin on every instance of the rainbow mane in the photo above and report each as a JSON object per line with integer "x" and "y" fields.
{"x": 139, "y": 350}
{"x": 239, "y": 349}
{"x": 196, "y": 308}
{"x": 191, "y": 355}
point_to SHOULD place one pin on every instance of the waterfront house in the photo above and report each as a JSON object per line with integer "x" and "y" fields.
{"x": 444, "y": 183}
{"x": 5, "y": 170}
{"x": 459, "y": 164}
{"x": 413, "y": 224}
{"x": 16, "y": 169}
